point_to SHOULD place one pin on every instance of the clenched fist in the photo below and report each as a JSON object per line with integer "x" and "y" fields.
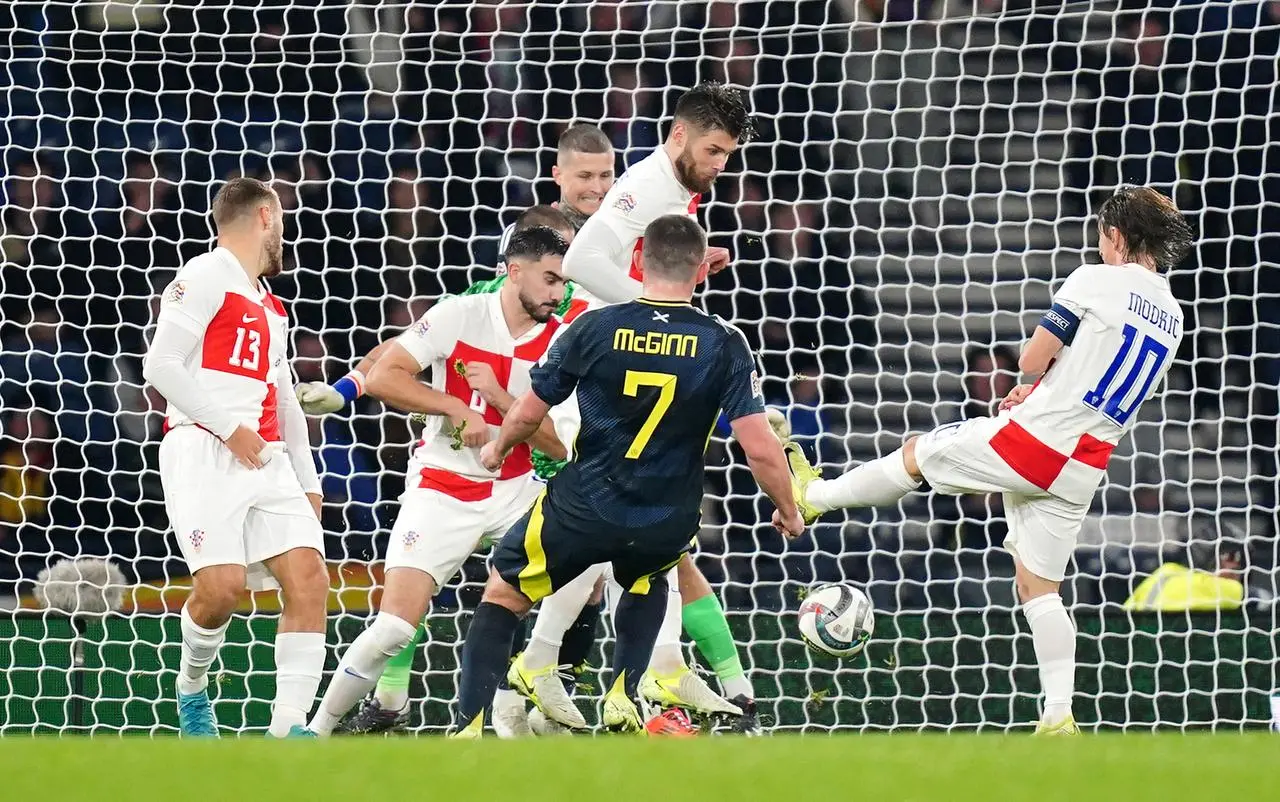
{"x": 318, "y": 398}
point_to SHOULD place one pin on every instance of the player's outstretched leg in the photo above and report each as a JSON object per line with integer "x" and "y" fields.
{"x": 670, "y": 682}
{"x": 639, "y": 618}
{"x": 486, "y": 652}
{"x": 1054, "y": 638}
{"x": 535, "y": 673}
{"x": 304, "y": 586}
{"x": 704, "y": 621}
{"x": 872, "y": 484}
{"x": 404, "y": 598}
{"x": 214, "y": 594}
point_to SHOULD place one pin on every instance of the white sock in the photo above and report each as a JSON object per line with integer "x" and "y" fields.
{"x": 668, "y": 655}
{"x": 1054, "y": 637}
{"x": 359, "y": 669}
{"x": 199, "y": 648}
{"x": 738, "y": 686}
{"x": 392, "y": 698}
{"x": 871, "y": 484}
{"x": 299, "y": 664}
{"x": 505, "y": 698}
{"x": 557, "y": 614}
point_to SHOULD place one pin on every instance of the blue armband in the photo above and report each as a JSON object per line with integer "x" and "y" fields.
{"x": 1061, "y": 323}
{"x": 350, "y": 386}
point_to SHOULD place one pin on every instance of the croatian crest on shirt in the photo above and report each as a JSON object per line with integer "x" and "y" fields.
{"x": 176, "y": 293}
{"x": 625, "y": 203}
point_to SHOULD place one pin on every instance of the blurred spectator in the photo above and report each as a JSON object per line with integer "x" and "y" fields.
{"x": 990, "y": 374}
{"x": 47, "y": 365}
{"x": 32, "y": 219}
{"x": 1135, "y": 125}
{"x": 26, "y": 488}
{"x": 26, "y": 458}
{"x": 1212, "y": 579}
{"x": 630, "y": 112}
{"x": 348, "y": 475}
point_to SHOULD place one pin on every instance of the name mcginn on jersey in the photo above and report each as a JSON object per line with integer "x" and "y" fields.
{"x": 655, "y": 342}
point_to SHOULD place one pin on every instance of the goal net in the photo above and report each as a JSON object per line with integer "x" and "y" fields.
{"x": 924, "y": 179}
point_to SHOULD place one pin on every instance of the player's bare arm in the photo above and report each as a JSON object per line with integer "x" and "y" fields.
{"x": 297, "y": 439}
{"x": 394, "y": 381}
{"x": 1039, "y": 352}
{"x": 1037, "y": 356}
{"x": 525, "y": 416}
{"x": 768, "y": 465}
{"x": 480, "y": 377}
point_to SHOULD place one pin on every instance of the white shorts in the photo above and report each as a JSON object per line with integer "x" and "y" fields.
{"x": 958, "y": 460}
{"x": 226, "y": 514}
{"x": 436, "y": 532}
{"x": 567, "y": 420}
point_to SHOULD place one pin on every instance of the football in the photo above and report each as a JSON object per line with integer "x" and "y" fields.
{"x": 837, "y": 619}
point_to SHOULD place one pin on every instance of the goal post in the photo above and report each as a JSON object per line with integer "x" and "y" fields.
{"x": 924, "y": 179}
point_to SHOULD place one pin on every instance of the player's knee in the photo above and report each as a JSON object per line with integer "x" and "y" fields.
{"x": 909, "y": 459}
{"x": 391, "y": 633}
{"x": 498, "y": 591}
{"x": 1032, "y": 587}
{"x": 309, "y": 589}
{"x": 213, "y": 602}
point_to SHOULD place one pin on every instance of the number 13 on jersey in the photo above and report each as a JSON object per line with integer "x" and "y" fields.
{"x": 1110, "y": 398}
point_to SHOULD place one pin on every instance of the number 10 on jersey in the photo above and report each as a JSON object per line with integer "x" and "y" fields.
{"x": 1108, "y": 397}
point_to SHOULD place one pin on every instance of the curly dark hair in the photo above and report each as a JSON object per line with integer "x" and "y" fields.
{"x": 713, "y": 106}
{"x": 1150, "y": 223}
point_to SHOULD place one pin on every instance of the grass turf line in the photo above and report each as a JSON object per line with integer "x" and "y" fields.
{"x": 876, "y": 768}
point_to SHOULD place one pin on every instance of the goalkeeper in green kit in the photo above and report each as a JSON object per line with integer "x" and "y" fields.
{"x": 584, "y": 172}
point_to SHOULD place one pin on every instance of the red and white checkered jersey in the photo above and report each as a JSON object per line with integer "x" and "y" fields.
{"x": 243, "y": 339}
{"x": 648, "y": 190}
{"x": 1121, "y": 327}
{"x": 455, "y": 332}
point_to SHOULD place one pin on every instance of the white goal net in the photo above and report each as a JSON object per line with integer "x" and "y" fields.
{"x": 924, "y": 178}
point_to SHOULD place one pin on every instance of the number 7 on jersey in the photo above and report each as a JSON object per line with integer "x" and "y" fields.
{"x": 666, "y": 384}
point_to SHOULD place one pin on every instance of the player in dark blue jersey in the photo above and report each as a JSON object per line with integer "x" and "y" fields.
{"x": 652, "y": 376}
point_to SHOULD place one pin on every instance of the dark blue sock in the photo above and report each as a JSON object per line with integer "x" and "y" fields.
{"x": 519, "y": 639}
{"x": 485, "y": 656}
{"x": 639, "y": 618}
{"x": 579, "y": 640}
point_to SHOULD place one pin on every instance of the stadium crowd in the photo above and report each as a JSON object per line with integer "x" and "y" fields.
{"x": 402, "y": 144}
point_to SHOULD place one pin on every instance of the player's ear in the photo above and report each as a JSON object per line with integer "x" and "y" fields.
{"x": 679, "y": 132}
{"x": 555, "y": 175}
{"x": 703, "y": 270}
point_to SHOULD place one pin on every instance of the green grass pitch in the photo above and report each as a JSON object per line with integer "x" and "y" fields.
{"x": 870, "y": 768}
